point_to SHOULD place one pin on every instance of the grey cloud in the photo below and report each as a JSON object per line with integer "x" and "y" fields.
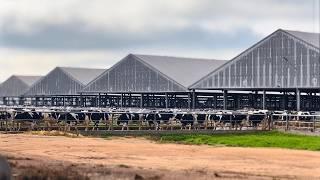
{"x": 77, "y": 32}
{"x": 74, "y": 36}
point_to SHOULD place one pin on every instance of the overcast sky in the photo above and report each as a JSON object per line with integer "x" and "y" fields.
{"x": 37, "y": 35}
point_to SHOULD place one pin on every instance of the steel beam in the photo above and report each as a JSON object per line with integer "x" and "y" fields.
{"x": 264, "y": 100}
{"x": 225, "y": 99}
{"x": 298, "y": 99}
{"x": 167, "y": 101}
{"x": 141, "y": 100}
{"x": 194, "y": 98}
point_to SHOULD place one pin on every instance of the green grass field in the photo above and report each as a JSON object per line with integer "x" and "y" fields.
{"x": 259, "y": 139}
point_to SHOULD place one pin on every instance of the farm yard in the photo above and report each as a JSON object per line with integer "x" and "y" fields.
{"x": 258, "y": 155}
{"x": 159, "y": 90}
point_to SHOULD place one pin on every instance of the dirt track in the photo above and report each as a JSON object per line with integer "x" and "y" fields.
{"x": 135, "y": 158}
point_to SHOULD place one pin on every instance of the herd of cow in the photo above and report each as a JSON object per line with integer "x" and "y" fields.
{"x": 117, "y": 119}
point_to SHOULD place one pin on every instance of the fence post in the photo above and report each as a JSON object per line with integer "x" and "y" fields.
{"x": 314, "y": 124}
{"x": 155, "y": 121}
{"x": 230, "y": 122}
{"x": 111, "y": 121}
{"x": 6, "y": 119}
{"x": 270, "y": 121}
{"x": 140, "y": 123}
{"x": 287, "y": 123}
{"x": 65, "y": 121}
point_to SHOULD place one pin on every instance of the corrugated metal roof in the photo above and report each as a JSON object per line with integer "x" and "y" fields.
{"x": 185, "y": 71}
{"x": 29, "y": 80}
{"x": 16, "y": 86}
{"x": 63, "y": 81}
{"x": 311, "y": 38}
{"x": 219, "y": 80}
{"x": 83, "y": 75}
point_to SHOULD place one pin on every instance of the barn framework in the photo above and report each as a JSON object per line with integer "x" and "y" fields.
{"x": 285, "y": 63}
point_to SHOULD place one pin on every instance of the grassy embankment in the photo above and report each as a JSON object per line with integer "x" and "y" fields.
{"x": 272, "y": 139}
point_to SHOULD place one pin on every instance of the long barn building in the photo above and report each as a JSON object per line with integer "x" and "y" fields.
{"x": 150, "y": 81}
{"x": 14, "y": 87}
{"x": 282, "y": 71}
{"x": 60, "y": 86}
{"x": 285, "y": 62}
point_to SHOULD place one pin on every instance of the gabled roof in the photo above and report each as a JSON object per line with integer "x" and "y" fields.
{"x": 83, "y": 75}
{"x": 185, "y": 71}
{"x": 63, "y": 81}
{"x": 29, "y": 80}
{"x": 16, "y": 85}
{"x": 308, "y": 37}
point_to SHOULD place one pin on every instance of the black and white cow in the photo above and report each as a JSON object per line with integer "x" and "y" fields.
{"x": 98, "y": 118}
{"x": 257, "y": 118}
{"x": 153, "y": 120}
{"x": 4, "y": 118}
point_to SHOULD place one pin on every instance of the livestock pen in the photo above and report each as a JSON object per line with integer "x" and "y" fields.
{"x": 142, "y": 120}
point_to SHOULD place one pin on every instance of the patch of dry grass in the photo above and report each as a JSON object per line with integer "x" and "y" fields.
{"x": 55, "y": 133}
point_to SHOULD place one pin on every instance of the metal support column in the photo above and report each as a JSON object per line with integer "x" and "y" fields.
{"x": 167, "y": 101}
{"x": 284, "y": 101}
{"x": 141, "y": 100}
{"x": 194, "y": 99}
{"x": 189, "y": 100}
{"x": 298, "y": 99}
{"x": 264, "y": 100}
{"x": 148, "y": 100}
{"x": 43, "y": 101}
{"x": 57, "y": 101}
{"x": 21, "y": 101}
{"x": 81, "y": 100}
{"x": 106, "y": 101}
{"x": 99, "y": 100}
{"x": 121, "y": 100}
{"x": 225, "y": 99}
{"x": 64, "y": 101}
{"x": 215, "y": 101}
{"x": 254, "y": 100}
{"x": 130, "y": 100}
{"x": 37, "y": 103}
{"x": 4, "y": 102}
{"x": 250, "y": 98}
{"x": 51, "y": 101}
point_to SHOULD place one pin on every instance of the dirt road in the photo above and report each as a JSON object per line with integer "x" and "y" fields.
{"x": 136, "y": 158}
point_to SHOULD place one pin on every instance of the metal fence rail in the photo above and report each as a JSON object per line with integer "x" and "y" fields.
{"x": 296, "y": 122}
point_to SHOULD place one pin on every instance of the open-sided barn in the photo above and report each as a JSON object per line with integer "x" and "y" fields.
{"x": 285, "y": 61}
{"x": 60, "y": 83}
{"x": 15, "y": 86}
{"x": 155, "y": 77}
{"x": 282, "y": 71}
